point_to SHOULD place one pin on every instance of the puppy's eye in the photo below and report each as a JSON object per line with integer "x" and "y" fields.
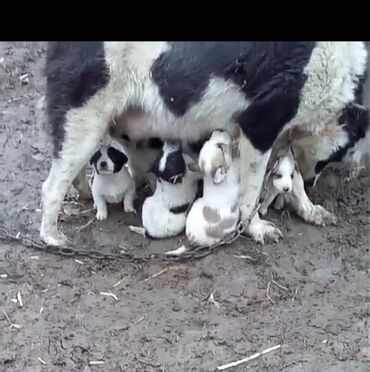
{"x": 278, "y": 176}
{"x": 292, "y": 175}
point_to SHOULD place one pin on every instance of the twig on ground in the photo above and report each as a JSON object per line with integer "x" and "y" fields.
{"x": 245, "y": 257}
{"x": 96, "y": 362}
{"x": 109, "y": 294}
{"x": 88, "y": 223}
{"x": 212, "y": 300}
{"x": 19, "y": 298}
{"x": 156, "y": 274}
{"x": 295, "y": 293}
{"x": 41, "y": 361}
{"x": 11, "y": 324}
{"x": 268, "y": 293}
{"x": 245, "y": 360}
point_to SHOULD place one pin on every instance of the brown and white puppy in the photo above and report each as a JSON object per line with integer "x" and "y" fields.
{"x": 215, "y": 214}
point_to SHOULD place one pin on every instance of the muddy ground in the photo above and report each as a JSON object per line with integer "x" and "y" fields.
{"x": 317, "y": 305}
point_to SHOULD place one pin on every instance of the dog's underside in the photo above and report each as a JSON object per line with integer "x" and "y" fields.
{"x": 185, "y": 90}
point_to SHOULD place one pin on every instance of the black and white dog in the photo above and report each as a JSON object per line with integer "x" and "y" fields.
{"x": 184, "y": 90}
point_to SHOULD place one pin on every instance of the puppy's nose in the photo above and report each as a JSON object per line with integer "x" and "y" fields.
{"x": 286, "y": 189}
{"x": 103, "y": 164}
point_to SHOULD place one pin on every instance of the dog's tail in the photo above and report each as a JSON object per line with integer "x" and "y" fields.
{"x": 41, "y": 117}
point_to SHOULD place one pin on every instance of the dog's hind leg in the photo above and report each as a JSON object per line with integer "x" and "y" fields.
{"x": 84, "y": 129}
{"x": 82, "y": 185}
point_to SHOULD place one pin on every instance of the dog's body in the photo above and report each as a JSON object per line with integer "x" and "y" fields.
{"x": 216, "y": 213}
{"x": 185, "y": 90}
{"x": 164, "y": 213}
{"x": 111, "y": 180}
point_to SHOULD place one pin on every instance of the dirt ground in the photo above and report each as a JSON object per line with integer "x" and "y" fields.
{"x": 309, "y": 293}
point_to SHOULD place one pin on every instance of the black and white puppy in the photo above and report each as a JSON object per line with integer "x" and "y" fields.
{"x": 164, "y": 213}
{"x": 112, "y": 181}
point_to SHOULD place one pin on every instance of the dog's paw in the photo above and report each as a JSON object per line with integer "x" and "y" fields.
{"x": 321, "y": 217}
{"x": 263, "y": 211}
{"x": 129, "y": 209}
{"x": 57, "y": 240}
{"x": 101, "y": 214}
{"x": 262, "y": 230}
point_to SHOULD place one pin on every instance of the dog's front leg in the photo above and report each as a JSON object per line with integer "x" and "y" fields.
{"x": 128, "y": 200}
{"x": 101, "y": 206}
{"x": 253, "y": 165}
{"x": 303, "y": 206}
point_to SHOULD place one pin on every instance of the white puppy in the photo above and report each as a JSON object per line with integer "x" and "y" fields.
{"x": 112, "y": 181}
{"x": 278, "y": 181}
{"x": 164, "y": 213}
{"x": 217, "y": 213}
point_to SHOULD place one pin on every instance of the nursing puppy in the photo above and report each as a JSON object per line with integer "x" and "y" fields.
{"x": 284, "y": 183}
{"x": 111, "y": 180}
{"x": 278, "y": 181}
{"x": 164, "y": 213}
{"x": 215, "y": 214}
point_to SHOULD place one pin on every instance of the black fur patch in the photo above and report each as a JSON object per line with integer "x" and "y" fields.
{"x": 95, "y": 158}
{"x": 270, "y": 74}
{"x": 180, "y": 209}
{"x": 356, "y": 123}
{"x": 75, "y": 71}
{"x": 175, "y": 166}
{"x": 118, "y": 158}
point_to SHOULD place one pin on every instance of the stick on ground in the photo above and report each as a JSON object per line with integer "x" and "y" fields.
{"x": 245, "y": 360}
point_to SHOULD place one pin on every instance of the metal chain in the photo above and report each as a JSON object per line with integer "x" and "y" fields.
{"x": 191, "y": 253}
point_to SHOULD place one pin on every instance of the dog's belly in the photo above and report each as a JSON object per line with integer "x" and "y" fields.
{"x": 114, "y": 198}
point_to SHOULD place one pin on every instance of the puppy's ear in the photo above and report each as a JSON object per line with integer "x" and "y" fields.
{"x": 119, "y": 159}
{"x": 219, "y": 175}
{"x": 95, "y": 158}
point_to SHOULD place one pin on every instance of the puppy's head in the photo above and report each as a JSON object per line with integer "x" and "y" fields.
{"x": 215, "y": 156}
{"x": 283, "y": 172}
{"x": 108, "y": 160}
{"x": 170, "y": 166}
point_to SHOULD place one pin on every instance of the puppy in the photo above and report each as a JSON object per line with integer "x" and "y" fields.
{"x": 111, "y": 181}
{"x": 278, "y": 181}
{"x": 216, "y": 213}
{"x": 164, "y": 213}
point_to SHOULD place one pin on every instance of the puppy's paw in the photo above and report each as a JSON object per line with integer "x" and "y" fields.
{"x": 101, "y": 214}
{"x": 262, "y": 230}
{"x": 129, "y": 209}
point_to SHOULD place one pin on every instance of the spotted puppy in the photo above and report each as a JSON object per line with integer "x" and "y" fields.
{"x": 111, "y": 181}
{"x": 278, "y": 181}
{"x": 285, "y": 183}
{"x": 216, "y": 213}
{"x": 164, "y": 213}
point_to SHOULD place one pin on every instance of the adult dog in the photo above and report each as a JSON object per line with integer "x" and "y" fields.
{"x": 185, "y": 90}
